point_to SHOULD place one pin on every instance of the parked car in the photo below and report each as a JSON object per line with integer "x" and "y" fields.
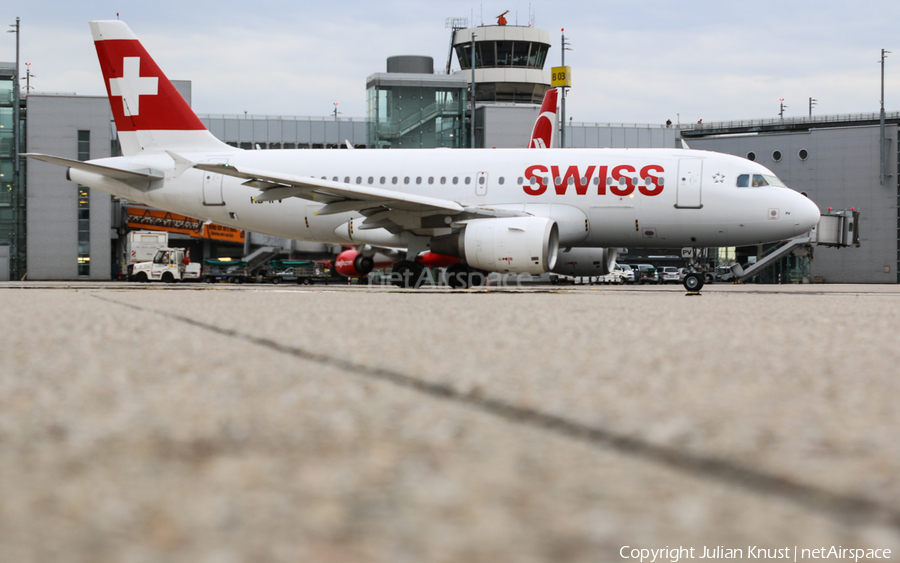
{"x": 669, "y": 274}
{"x": 637, "y": 273}
{"x": 648, "y": 274}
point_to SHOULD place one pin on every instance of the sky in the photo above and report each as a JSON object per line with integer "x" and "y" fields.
{"x": 634, "y": 61}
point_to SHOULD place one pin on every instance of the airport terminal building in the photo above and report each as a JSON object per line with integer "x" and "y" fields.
{"x": 51, "y": 229}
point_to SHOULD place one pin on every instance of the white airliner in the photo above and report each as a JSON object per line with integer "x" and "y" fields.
{"x": 493, "y": 210}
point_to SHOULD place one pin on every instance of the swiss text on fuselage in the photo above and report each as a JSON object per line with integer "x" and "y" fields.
{"x": 649, "y": 181}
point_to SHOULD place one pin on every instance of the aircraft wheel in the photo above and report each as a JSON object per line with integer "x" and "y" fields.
{"x": 407, "y": 274}
{"x": 693, "y": 282}
{"x": 458, "y": 276}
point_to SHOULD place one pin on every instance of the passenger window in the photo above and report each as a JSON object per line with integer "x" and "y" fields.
{"x": 520, "y": 180}
{"x": 759, "y": 181}
{"x": 382, "y": 179}
{"x": 371, "y": 180}
{"x": 431, "y": 179}
{"x": 418, "y": 179}
{"x": 394, "y": 180}
{"x": 359, "y": 179}
{"x": 743, "y": 181}
{"x": 443, "y": 179}
{"x": 455, "y": 180}
{"x": 500, "y": 180}
{"x": 346, "y": 179}
{"x": 468, "y": 180}
{"x": 406, "y": 180}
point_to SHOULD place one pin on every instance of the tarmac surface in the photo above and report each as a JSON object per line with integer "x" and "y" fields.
{"x": 222, "y": 423}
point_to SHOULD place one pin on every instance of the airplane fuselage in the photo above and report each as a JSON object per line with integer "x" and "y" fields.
{"x": 652, "y": 198}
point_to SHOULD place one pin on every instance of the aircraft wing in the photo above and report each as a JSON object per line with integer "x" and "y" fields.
{"x": 338, "y": 197}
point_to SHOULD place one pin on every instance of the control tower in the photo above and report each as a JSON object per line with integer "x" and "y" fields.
{"x": 509, "y": 61}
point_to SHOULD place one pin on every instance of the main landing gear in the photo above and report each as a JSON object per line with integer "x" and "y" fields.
{"x": 411, "y": 275}
{"x": 407, "y": 274}
{"x": 461, "y": 276}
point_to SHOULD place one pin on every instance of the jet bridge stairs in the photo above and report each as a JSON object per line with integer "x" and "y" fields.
{"x": 837, "y": 229}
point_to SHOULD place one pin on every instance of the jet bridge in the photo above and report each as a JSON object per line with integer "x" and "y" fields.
{"x": 838, "y": 229}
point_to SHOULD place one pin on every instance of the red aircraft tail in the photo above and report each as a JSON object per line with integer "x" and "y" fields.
{"x": 148, "y": 110}
{"x": 544, "y": 134}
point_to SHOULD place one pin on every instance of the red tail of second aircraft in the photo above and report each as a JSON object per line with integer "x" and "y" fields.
{"x": 544, "y": 134}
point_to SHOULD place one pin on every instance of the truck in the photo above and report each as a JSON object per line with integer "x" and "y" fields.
{"x": 297, "y": 271}
{"x": 141, "y": 246}
{"x": 168, "y": 265}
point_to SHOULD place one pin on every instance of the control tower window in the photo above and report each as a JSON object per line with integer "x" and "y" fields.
{"x": 520, "y": 53}
{"x": 504, "y": 53}
{"x": 538, "y": 55}
{"x": 462, "y": 53}
{"x": 484, "y": 54}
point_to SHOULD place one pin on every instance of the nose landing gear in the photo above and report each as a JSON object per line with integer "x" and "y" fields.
{"x": 693, "y": 282}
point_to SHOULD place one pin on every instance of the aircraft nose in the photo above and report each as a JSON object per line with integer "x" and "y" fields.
{"x": 806, "y": 214}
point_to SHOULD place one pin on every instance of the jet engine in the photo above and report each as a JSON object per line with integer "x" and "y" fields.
{"x": 586, "y": 262}
{"x": 515, "y": 245}
{"x": 352, "y": 264}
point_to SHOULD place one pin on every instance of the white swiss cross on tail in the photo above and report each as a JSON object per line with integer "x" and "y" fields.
{"x": 132, "y": 85}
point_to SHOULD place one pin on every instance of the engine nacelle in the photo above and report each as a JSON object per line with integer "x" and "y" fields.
{"x": 514, "y": 245}
{"x": 353, "y": 264}
{"x": 586, "y": 262}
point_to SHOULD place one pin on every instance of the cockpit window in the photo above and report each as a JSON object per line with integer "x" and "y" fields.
{"x": 774, "y": 181}
{"x": 758, "y": 181}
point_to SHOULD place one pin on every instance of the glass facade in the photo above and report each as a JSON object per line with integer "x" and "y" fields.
{"x": 12, "y": 190}
{"x": 416, "y": 116}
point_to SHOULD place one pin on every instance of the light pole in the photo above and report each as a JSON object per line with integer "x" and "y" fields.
{"x": 472, "y": 111}
{"x": 884, "y": 55}
{"x": 27, "y": 78}
{"x": 562, "y": 103}
{"x": 14, "y": 247}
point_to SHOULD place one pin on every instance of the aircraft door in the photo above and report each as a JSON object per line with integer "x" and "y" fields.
{"x": 212, "y": 186}
{"x": 690, "y": 174}
{"x": 481, "y": 183}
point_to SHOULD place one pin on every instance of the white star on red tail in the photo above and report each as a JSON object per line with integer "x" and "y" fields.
{"x": 132, "y": 85}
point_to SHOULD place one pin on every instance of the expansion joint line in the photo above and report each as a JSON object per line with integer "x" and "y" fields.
{"x": 850, "y": 509}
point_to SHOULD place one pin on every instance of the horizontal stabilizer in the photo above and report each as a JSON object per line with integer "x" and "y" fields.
{"x": 108, "y": 171}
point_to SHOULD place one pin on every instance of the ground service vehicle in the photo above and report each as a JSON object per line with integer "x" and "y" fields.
{"x": 509, "y": 211}
{"x": 169, "y": 265}
{"x": 297, "y": 271}
{"x": 227, "y": 270}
